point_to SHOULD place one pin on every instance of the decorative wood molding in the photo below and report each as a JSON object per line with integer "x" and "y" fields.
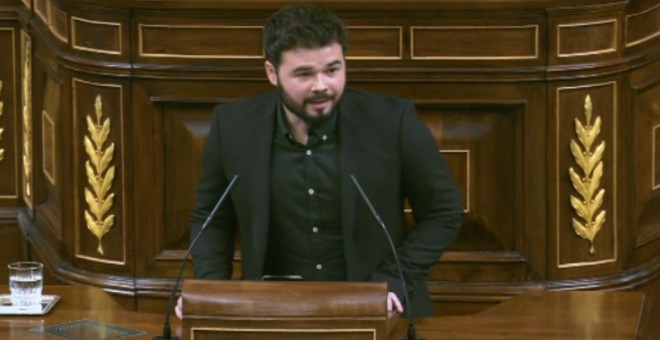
{"x": 8, "y": 114}
{"x": 588, "y": 183}
{"x": 655, "y": 147}
{"x": 84, "y": 92}
{"x": 154, "y": 38}
{"x": 99, "y": 175}
{"x": 2, "y": 130}
{"x": 525, "y": 37}
{"x": 41, "y": 10}
{"x": 27, "y": 119}
{"x": 603, "y": 29}
{"x": 110, "y": 30}
{"x": 371, "y": 43}
{"x": 203, "y": 332}
{"x": 467, "y": 184}
{"x": 640, "y": 21}
{"x": 57, "y": 23}
{"x": 48, "y": 160}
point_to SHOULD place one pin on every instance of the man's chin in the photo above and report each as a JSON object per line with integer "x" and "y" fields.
{"x": 317, "y": 118}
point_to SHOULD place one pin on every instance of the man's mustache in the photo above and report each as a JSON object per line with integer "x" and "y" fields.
{"x": 319, "y": 97}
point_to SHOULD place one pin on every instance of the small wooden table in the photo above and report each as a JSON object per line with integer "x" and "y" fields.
{"x": 78, "y": 303}
{"x": 535, "y": 315}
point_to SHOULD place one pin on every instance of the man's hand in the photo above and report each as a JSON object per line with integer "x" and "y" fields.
{"x": 393, "y": 301}
{"x": 178, "y": 310}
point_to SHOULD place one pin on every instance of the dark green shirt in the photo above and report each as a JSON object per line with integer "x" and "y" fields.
{"x": 305, "y": 236}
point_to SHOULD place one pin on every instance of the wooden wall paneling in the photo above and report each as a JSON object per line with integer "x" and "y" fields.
{"x": 499, "y": 130}
{"x": 13, "y": 244}
{"x": 185, "y": 128}
{"x": 375, "y": 42}
{"x": 642, "y": 25}
{"x": 40, "y": 8}
{"x": 478, "y": 140}
{"x": 591, "y": 37}
{"x": 222, "y": 39}
{"x": 479, "y": 42}
{"x": 148, "y": 187}
{"x": 593, "y": 188}
{"x": 12, "y": 70}
{"x": 47, "y": 88}
{"x": 177, "y": 112}
{"x": 508, "y": 38}
{"x": 9, "y": 114}
{"x": 58, "y": 23}
{"x": 89, "y": 22}
{"x": 500, "y": 84}
{"x": 101, "y": 198}
{"x": 505, "y": 252}
{"x": 174, "y": 41}
{"x": 26, "y": 121}
{"x": 645, "y": 148}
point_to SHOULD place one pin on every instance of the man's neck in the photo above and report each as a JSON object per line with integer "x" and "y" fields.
{"x": 297, "y": 126}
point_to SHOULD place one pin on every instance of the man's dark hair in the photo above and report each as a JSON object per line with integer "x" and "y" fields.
{"x": 305, "y": 25}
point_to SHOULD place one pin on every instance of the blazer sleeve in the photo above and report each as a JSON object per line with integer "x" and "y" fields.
{"x": 435, "y": 201}
{"x": 213, "y": 253}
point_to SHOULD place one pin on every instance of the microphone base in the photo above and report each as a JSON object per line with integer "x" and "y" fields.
{"x": 160, "y": 337}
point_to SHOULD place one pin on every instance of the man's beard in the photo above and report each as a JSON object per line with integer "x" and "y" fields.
{"x": 299, "y": 110}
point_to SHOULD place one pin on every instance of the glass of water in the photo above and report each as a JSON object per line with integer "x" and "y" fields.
{"x": 26, "y": 283}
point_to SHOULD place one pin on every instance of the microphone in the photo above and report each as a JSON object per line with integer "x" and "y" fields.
{"x": 411, "y": 325}
{"x": 167, "y": 329}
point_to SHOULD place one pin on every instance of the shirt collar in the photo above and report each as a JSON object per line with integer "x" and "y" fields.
{"x": 329, "y": 127}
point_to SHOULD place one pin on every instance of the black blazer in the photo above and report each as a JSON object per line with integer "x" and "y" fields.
{"x": 382, "y": 142}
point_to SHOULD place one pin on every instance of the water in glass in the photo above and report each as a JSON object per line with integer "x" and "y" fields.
{"x": 25, "y": 283}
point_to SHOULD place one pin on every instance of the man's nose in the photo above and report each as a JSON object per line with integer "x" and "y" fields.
{"x": 320, "y": 83}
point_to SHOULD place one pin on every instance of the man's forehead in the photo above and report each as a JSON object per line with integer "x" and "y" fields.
{"x": 310, "y": 57}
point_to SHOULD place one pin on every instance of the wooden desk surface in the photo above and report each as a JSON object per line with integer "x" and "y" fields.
{"x": 549, "y": 315}
{"x": 536, "y": 315}
{"x": 82, "y": 302}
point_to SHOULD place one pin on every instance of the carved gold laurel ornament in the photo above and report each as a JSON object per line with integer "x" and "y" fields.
{"x": 587, "y": 184}
{"x": 27, "y": 121}
{"x": 99, "y": 176}
{"x": 2, "y": 130}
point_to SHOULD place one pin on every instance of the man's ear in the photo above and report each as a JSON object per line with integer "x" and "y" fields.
{"x": 271, "y": 72}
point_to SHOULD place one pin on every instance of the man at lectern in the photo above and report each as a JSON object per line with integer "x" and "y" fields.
{"x": 300, "y": 154}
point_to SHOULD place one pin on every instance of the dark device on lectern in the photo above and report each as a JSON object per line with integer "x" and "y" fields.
{"x": 167, "y": 329}
{"x": 411, "y": 334}
{"x": 281, "y": 278}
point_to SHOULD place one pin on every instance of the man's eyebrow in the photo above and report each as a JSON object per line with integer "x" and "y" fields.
{"x": 302, "y": 69}
{"x": 309, "y": 68}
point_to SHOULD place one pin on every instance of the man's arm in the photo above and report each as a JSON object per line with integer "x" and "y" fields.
{"x": 435, "y": 201}
{"x": 213, "y": 254}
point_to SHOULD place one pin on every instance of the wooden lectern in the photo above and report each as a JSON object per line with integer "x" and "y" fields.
{"x": 217, "y": 309}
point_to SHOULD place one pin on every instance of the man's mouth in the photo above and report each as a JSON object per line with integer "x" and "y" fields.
{"x": 319, "y": 99}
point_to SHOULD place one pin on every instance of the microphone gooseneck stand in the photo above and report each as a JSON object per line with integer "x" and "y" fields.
{"x": 412, "y": 333}
{"x": 167, "y": 329}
